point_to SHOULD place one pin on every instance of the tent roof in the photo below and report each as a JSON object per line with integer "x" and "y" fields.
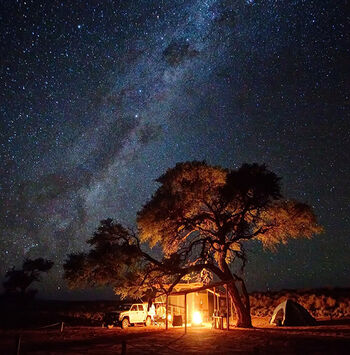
{"x": 293, "y": 314}
{"x": 195, "y": 287}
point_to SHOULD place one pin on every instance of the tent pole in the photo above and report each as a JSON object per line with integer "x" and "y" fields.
{"x": 215, "y": 314}
{"x": 166, "y": 312}
{"x": 231, "y": 306}
{"x": 227, "y": 310}
{"x": 214, "y": 300}
{"x": 185, "y": 313}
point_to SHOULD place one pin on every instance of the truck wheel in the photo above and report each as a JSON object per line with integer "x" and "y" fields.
{"x": 148, "y": 321}
{"x": 125, "y": 323}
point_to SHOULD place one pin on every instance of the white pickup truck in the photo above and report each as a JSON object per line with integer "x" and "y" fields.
{"x": 128, "y": 314}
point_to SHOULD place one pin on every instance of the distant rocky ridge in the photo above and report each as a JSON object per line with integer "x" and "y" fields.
{"x": 325, "y": 302}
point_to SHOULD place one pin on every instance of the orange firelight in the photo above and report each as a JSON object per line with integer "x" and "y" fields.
{"x": 197, "y": 318}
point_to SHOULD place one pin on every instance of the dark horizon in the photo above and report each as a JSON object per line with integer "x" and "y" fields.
{"x": 109, "y": 296}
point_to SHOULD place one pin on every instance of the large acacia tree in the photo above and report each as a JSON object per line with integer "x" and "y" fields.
{"x": 201, "y": 216}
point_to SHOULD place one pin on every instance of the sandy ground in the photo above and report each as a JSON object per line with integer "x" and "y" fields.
{"x": 328, "y": 337}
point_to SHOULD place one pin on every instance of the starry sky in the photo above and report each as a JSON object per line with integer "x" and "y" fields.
{"x": 98, "y": 98}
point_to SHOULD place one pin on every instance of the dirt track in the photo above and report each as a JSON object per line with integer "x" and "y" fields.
{"x": 326, "y": 338}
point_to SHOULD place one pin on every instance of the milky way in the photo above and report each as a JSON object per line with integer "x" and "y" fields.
{"x": 97, "y": 100}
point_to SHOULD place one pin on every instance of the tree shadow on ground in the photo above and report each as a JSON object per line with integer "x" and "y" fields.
{"x": 334, "y": 326}
{"x": 343, "y": 321}
{"x": 98, "y": 339}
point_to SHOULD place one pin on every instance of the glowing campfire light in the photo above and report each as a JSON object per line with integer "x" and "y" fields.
{"x": 197, "y": 318}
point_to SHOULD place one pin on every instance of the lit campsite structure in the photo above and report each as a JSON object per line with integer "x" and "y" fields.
{"x": 196, "y": 304}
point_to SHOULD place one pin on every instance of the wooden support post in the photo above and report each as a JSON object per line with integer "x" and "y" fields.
{"x": 123, "y": 347}
{"x": 231, "y": 305}
{"x": 227, "y": 309}
{"x": 166, "y": 311}
{"x": 214, "y": 301}
{"x": 18, "y": 345}
{"x": 185, "y": 313}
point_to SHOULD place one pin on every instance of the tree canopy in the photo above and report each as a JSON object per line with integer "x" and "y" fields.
{"x": 199, "y": 218}
{"x": 235, "y": 205}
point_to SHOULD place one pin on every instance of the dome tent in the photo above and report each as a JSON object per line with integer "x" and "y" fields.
{"x": 291, "y": 313}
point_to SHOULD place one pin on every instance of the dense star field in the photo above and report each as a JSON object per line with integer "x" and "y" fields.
{"x": 100, "y": 98}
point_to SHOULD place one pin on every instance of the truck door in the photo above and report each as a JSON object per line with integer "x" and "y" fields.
{"x": 133, "y": 314}
{"x": 142, "y": 314}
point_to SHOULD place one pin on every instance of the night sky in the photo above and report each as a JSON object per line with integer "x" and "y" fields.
{"x": 98, "y": 98}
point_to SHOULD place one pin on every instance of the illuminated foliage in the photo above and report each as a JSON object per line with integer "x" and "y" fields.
{"x": 115, "y": 260}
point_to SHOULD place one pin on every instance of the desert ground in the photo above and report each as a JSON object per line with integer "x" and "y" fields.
{"x": 327, "y": 337}
{"x": 83, "y": 334}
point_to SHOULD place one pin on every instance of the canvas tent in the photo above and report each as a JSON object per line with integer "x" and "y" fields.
{"x": 291, "y": 313}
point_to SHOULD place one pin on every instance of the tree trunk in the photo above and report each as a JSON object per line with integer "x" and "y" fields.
{"x": 245, "y": 295}
{"x": 242, "y": 310}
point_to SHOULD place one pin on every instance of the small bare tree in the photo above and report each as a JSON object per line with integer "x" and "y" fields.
{"x": 18, "y": 281}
